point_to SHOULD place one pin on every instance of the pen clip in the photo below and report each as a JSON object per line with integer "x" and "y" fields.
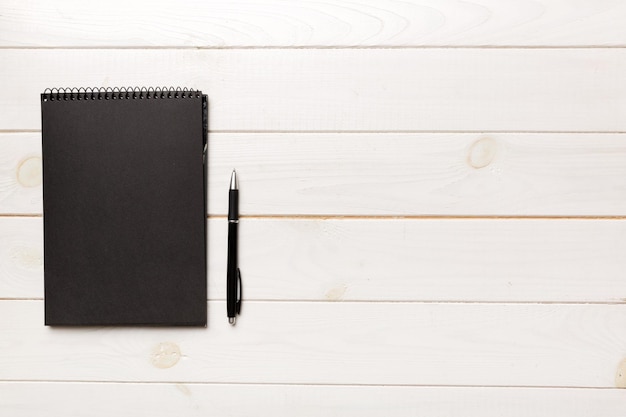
{"x": 239, "y": 292}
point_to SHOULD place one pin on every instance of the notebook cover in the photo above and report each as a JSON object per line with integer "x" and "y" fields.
{"x": 124, "y": 202}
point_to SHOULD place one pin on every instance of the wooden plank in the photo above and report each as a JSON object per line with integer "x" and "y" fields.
{"x": 64, "y": 399}
{"x": 275, "y": 23}
{"x": 578, "y": 345}
{"x": 21, "y": 257}
{"x": 421, "y": 174}
{"x": 417, "y": 174}
{"x": 20, "y": 173}
{"x": 390, "y": 260}
{"x": 347, "y": 90}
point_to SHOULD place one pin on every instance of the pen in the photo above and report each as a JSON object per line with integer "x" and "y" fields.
{"x": 233, "y": 275}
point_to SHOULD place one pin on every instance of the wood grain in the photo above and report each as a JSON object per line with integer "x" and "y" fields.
{"x": 367, "y": 135}
{"x": 20, "y": 173}
{"x": 396, "y": 174}
{"x": 275, "y": 23}
{"x": 421, "y": 174}
{"x": 568, "y": 90}
{"x": 68, "y": 399}
{"x": 390, "y": 260}
{"x": 332, "y": 343}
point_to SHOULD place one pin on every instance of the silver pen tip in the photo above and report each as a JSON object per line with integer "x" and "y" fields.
{"x": 232, "y": 320}
{"x": 233, "y": 181}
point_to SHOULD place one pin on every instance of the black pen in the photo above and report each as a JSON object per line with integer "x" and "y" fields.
{"x": 233, "y": 275}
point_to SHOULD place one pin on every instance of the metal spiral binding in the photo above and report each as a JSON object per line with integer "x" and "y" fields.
{"x": 117, "y": 93}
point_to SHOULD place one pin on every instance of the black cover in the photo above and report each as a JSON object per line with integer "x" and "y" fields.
{"x": 124, "y": 201}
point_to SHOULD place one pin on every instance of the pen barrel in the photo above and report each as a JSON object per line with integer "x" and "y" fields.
{"x": 231, "y": 273}
{"x": 233, "y": 205}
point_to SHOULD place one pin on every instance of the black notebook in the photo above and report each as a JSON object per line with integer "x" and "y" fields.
{"x": 124, "y": 207}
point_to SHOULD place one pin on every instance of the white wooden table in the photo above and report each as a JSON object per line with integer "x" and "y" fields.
{"x": 433, "y": 199}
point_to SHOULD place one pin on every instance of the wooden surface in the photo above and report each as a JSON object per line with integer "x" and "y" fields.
{"x": 279, "y": 23}
{"x": 376, "y": 343}
{"x": 392, "y": 174}
{"x": 425, "y": 89}
{"x": 244, "y": 400}
{"x": 519, "y": 260}
{"x": 434, "y": 201}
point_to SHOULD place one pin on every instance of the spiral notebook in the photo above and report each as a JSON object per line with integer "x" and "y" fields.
{"x": 124, "y": 206}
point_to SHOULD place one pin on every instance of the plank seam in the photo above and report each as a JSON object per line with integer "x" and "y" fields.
{"x": 429, "y": 302}
{"x": 308, "y": 384}
{"x": 376, "y": 217}
{"x": 308, "y": 47}
{"x": 386, "y": 132}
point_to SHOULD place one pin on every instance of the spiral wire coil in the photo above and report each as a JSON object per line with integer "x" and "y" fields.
{"x": 117, "y": 93}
